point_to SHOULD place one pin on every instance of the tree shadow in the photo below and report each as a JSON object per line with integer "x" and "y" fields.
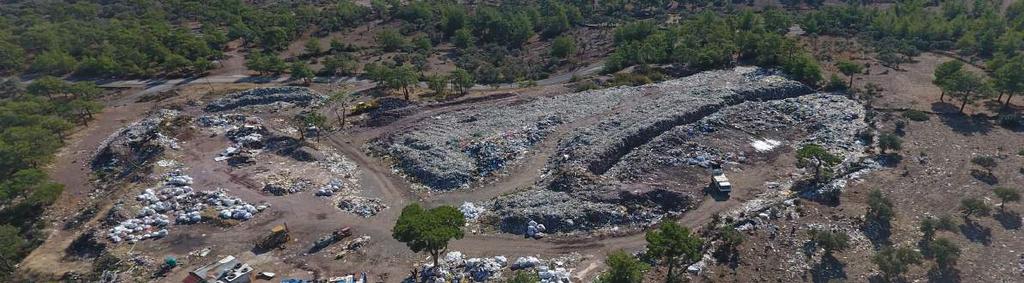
{"x": 940, "y": 275}
{"x": 962, "y": 124}
{"x": 716, "y": 194}
{"x": 984, "y": 176}
{"x": 1010, "y": 220}
{"x": 890, "y": 160}
{"x": 828, "y": 269}
{"x": 878, "y": 233}
{"x": 975, "y": 232}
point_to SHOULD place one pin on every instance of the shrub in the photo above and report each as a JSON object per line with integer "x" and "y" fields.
{"x": 1009, "y": 120}
{"x": 835, "y": 83}
{"x": 986, "y": 162}
{"x": 915, "y": 115}
{"x": 589, "y": 85}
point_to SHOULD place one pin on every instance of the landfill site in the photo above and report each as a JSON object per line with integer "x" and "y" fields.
{"x": 223, "y": 186}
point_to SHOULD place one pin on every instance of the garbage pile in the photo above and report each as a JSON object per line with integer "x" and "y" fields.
{"x": 265, "y": 95}
{"x": 535, "y": 230}
{"x": 556, "y": 275}
{"x": 177, "y": 198}
{"x": 455, "y": 265}
{"x": 470, "y": 211}
{"x": 329, "y": 189}
{"x": 352, "y": 246}
{"x": 361, "y": 206}
{"x": 682, "y": 101}
{"x": 559, "y": 212}
{"x": 134, "y": 146}
{"x": 450, "y": 150}
{"x": 247, "y": 134}
{"x": 829, "y": 120}
{"x": 279, "y": 185}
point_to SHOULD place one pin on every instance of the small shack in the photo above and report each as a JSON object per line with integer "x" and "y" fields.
{"x": 227, "y": 270}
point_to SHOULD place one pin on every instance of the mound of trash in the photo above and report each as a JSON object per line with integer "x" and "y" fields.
{"x": 830, "y": 120}
{"x": 177, "y": 198}
{"x": 132, "y": 148}
{"x": 300, "y": 96}
{"x": 450, "y": 150}
{"x": 681, "y": 101}
{"x": 361, "y": 206}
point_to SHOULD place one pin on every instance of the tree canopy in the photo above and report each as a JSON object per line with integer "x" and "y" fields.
{"x": 819, "y": 159}
{"x": 428, "y": 230}
{"x": 674, "y": 244}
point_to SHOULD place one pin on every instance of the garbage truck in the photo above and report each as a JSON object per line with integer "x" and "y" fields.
{"x": 719, "y": 181}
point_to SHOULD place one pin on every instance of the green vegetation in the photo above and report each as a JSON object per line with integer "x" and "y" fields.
{"x": 524, "y": 276}
{"x": 830, "y": 241}
{"x": 622, "y": 268}
{"x": 563, "y": 47}
{"x": 849, "y": 68}
{"x": 985, "y": 161}
{"x": 674, "y": 245}
{"x": 711, "y": 41}
{"x": 945, "y": 253}
{"x": 974, "y": 206}
{"x": 915, "y": 115}
{"x": 929, "y": 225}
{"x": 33, "y": 124}
{"x": 818, "y": 158}
{"x": 428, "y": 230}
{"x": 1006, "y": 194}
{"x": 893, "y": 262}
{"x": 144, "y": 38}
{"x": 889, "y": 141}
{"x": 944, "y": 74}
{"x": 880, "y": 208}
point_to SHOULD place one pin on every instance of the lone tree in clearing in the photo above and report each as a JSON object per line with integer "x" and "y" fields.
{"x": 850, "y": 68}
{"x": 879, "y": 207}
{"x": 945, "y": 253}
{"x": 930, "y": 225}
{"x": 674, "y": 244}
{"x": 889, "y": 141}
{"x": 428, "y": 230}
{"x": 893, "y": 262}
{"x": 816, "y": 156}
{"x": 830, "y": 241}
{"x": 973, "y": 206}
{"x": 1006, "y": 195}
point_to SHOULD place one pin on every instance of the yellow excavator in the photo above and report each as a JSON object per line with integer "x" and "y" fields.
{"x": 276, "y": 239}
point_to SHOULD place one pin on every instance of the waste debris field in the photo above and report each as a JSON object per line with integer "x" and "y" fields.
{"x": 643, "y": 156}
{"x": 224, "y": 175}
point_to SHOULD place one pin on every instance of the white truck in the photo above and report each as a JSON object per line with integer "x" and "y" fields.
{"x": 720, "y": 182}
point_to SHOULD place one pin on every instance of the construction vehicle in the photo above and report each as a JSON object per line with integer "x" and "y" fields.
{"x": 277, "y": 237}
{"x": 719, "y": 181}
{"x": 331, "y": 238}
{"x": 364, "y": 106}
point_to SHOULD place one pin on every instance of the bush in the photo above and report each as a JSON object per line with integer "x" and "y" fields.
{"x": 589, "y": 85}
{"x": 835, "y": 83}
{"x": 1009, "y": 121}
{"x": 629, "y": 79}
{"x": 915, "y": 115}
{"x": 986, "y": 162}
